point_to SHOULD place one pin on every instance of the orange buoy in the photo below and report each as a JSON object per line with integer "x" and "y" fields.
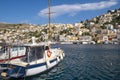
{"x": 48, "y": 53}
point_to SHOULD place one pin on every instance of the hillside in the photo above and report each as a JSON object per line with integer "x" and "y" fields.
{"x": 106, "y": 25}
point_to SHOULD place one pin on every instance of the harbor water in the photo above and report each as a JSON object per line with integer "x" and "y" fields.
{"x": 85, "y": 62}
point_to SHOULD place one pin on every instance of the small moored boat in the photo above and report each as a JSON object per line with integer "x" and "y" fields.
{"x": 37, "y": 59}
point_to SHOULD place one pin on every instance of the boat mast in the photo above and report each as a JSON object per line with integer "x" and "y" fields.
{"x": 49, "y": 18}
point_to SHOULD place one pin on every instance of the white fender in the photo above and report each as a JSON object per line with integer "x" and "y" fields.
{"x": 58, "y": 59}
{"x": 61, "y": 56}
{"x": 48, "y": 63}
{"x": 47, "y": 59}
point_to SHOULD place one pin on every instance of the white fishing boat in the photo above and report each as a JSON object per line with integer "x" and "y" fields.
{"x": 37, "y": 59}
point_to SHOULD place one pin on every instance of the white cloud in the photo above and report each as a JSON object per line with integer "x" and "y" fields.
{"x": 72, "y": 9}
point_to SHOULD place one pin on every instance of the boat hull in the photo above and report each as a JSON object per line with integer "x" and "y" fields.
{"x": 27, "y": 71}
{"x": 41, "y": 67}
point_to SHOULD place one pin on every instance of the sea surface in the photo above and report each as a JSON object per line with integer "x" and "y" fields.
{"x": 85, "y": 62}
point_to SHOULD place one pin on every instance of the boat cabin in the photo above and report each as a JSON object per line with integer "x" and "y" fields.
{"x": 33, "y": 53}
{"x": 26, "y": 53}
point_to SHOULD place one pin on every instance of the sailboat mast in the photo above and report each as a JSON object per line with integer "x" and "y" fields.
{"x": 49, "y": 14}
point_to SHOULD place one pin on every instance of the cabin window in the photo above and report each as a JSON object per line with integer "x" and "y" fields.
{"x": 36, "y": 53}
{"x": 14, "y": 49}
{"x": 3, "y": 49}
{"x": 21, "y": 48}
{"x": 17, "y": 48}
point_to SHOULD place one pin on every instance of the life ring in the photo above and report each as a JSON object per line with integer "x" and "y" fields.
{"x": 48, "y": 53}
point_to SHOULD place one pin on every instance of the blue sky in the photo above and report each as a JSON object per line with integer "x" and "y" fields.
{"x": 65, "y": 11}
